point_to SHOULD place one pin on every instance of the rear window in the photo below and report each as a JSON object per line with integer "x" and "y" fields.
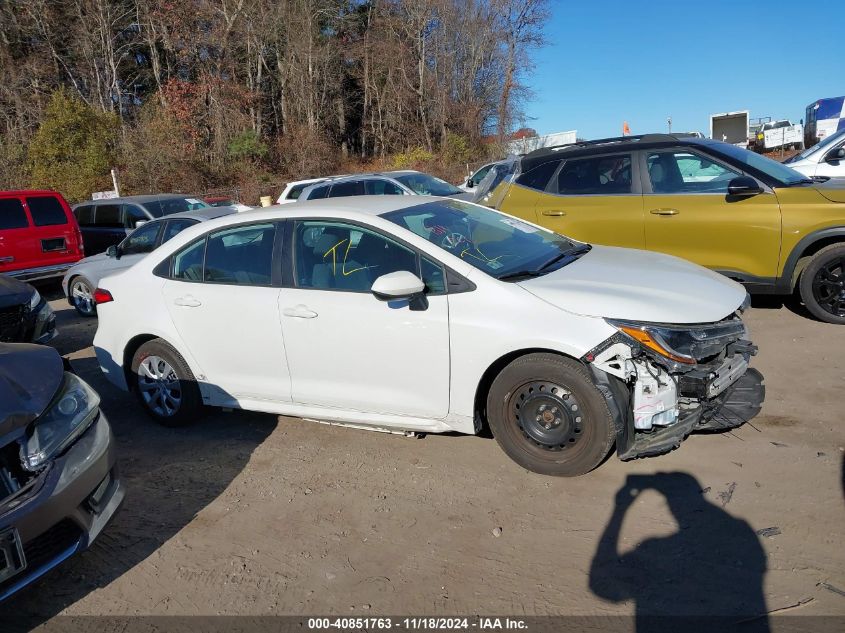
{"x": 46, "y": 211}
{"x": 12, "y": 215}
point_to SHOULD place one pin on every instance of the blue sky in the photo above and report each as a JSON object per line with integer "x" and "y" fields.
{"x": 640, "y": 61}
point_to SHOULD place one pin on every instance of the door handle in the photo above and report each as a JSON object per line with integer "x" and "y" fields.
{"x": 299, "y": 312}
{"x": 555, "y": 213}
{"x": 664, "y": 212}
{"x": 187, "y": 302}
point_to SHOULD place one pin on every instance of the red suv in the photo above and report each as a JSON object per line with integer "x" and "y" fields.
{"x": 39, "y": 236}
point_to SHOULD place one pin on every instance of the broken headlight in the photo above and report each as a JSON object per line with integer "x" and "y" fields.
{"x": 683, "y": 343}
{"x": 66, "y": 418}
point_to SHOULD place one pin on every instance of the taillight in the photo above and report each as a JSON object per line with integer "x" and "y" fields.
{"x": 102, "y": 296}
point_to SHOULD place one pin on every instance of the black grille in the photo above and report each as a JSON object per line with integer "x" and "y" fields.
{"x": 46, "y": 547}
{"x": 13, "y": 323}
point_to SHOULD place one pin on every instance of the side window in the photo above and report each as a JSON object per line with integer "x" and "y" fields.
{"x": 241, "y": 256}
{"x": 600, "y": 175}
{"x": 142, "y": 240}
{"x": 538, "y": 178}
{"x": 84, "y": 215}
{"x": 174, "y": 227}
{"x": 108, "y": 215}
{"x": 685, "y": 172}
{"x": 187, "y": 264}
{"x": 12, "y": 215}
{"x": 433, "y": 276}
{"x": 46, "y": 211}
{"x": 381, "y": 188}
{"x": 478, "y": 176}
{"x": 336, "y": 256}
{"x": 319, "y": 192}
{"x": 133, "y": 215}
{"x": 294, "y": 192}
{"x": 350, "y": 188}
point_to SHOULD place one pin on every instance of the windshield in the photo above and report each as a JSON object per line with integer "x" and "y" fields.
{"x": 500, "y": 245}
{"x": 426, "y": 185}
{"x": 822, "y": 145}
{"x": 776, "y": 170}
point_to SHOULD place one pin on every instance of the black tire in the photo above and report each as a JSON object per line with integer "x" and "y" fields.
{"x": 822, "y": 284}
{"x": 181, "y": 383}
{"x": 548, "y": 416}
{"x": 86, "y": 309}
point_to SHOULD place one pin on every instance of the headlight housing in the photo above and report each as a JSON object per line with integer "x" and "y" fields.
{"x": 34, "y": 300}
{"x": 685, "y": 344}
{"x": 67, "y": 417}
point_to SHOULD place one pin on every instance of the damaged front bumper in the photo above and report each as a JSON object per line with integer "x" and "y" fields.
{"x": 656, "y": 403}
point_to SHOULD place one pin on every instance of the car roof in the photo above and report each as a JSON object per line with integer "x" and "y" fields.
{"x": 153, "y": 197}
{"x": 28, "y": 192}
{"x": 605, "y": 145}
{"x": 348, "y": 205}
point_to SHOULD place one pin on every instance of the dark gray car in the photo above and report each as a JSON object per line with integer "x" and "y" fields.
{"x": 59, "y": 485}
{"x": 25, "y": 317}
{"x": 106, "y": 222}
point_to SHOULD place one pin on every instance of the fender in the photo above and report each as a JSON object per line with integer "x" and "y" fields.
{"x": 786, "y": 281}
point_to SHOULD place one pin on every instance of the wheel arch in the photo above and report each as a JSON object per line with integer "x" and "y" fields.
{"x": 801, "y": 253}
{"x": 135, "y": 342}
{"x": 483, "y": 388}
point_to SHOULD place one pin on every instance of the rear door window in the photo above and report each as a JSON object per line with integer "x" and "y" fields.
{"x": 381, "y": 188}
{"x": 46, "y": 211}
{"x": 12, "y": 215}
{"x": 599, "y": 175}
{"x": 84, "y": 215}
{"x": 132, "y": 215}
{"x": 241, "y": 256}
{"x": 318, "y": 192}
{"x": 538, "y": 178}
{"x": 108, "y": 216}
{"x": 174, "y": 227}
{"x": 344, "y": 189}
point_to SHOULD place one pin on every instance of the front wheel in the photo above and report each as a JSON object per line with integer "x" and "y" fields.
{"x": 822, "y": 284}
{"x": 549, "y": 417}
{"x": 165, "y": 385}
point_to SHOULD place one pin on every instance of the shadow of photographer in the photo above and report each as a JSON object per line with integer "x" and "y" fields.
{"x": 707, "y": 576}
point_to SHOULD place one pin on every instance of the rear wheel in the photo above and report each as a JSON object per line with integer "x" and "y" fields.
{"x": 81, "y": 293}
{"x": 165, "y": 385}
{"x": 548, "y": 416}
{"x": 822, "y": 284}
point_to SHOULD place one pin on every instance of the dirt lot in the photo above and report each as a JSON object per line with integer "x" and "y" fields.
{"x": 249, "y": 514}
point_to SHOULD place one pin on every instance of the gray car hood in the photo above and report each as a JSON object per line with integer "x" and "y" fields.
{"x": 623, "y": 283}
{"x": 14, "y": 292}
{"x": 30, "y": 375}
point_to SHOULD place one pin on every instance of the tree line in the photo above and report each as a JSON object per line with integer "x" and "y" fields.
{"x": 192, "y": 94}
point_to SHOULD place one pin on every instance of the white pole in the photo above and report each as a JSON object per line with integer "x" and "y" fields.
{"x": 114, "y": 180}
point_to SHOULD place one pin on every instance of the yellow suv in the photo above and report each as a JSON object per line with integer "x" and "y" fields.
{"x": 721, "y": 206}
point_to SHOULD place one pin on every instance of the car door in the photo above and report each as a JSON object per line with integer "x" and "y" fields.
{"x": 107, "y": 229}
{"x": 833, "y": 167}
{"x": 690, "y": 214}
{"x": 17, "y": 243}
{"x": 223, "y": 295}
{"x": 347, "y": 349}
{"x": 52, "y": 232}
{"x": 594, "y": 199}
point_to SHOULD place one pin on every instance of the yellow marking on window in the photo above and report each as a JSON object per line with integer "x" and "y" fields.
{"x": 333, "y": 251}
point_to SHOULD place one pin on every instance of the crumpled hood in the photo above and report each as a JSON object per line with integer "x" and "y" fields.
{"x": 833, "y": 189}
{"x": 623, "y": 283}
{"x": 30, "y": 375}
{"x": 14, "y": 292}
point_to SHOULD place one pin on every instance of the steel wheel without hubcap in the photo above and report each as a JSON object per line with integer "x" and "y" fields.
{"x": 548, "y": 414}
{"x": 83, "y": 297}
{"x": 829, "y": 287}
{"x": 159, "y": 386}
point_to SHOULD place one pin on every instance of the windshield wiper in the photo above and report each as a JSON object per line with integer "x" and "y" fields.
{"x": 570, "y": 255}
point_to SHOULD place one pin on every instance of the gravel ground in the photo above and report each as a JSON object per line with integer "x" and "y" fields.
{"x": 251, "y": 514}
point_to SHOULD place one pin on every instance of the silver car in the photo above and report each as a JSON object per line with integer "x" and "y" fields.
{"x": 405, "y": 182}
{"x": 82, "y": 279}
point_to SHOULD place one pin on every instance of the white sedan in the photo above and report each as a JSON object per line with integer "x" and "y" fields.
{"x": 431, "y": 315}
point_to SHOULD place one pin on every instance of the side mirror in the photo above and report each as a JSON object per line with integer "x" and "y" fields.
{"x": 399, "y": 285}
{"x": 835, "y": 155}
{"x": 743, "y": 186}
{"x": 113, "y": 252}
{"x": 470, "y": 184}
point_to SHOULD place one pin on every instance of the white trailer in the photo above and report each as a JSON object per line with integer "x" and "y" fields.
{"x": 730, "y": 127}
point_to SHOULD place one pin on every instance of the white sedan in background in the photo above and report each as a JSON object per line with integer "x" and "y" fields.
{"x": 431, "y": 315}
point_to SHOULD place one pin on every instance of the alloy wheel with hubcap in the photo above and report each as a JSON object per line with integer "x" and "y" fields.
{"x": 82, "y": 296}
{"x": 159, "y": 386}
